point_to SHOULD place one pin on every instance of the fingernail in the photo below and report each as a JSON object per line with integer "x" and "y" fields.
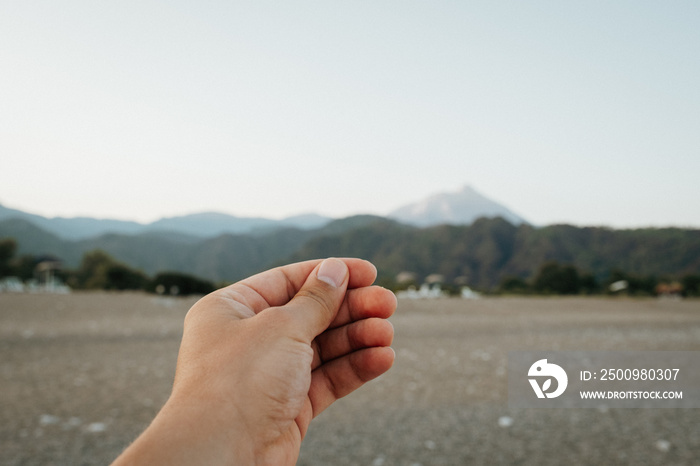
{"x": 332, "y": 271}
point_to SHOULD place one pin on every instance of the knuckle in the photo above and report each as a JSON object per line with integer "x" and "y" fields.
{"x": 316, "y": 297}
{"x": 197, "y": 311}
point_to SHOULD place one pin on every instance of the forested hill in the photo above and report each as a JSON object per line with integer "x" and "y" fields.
{"x": 483, "y": 253}
{"x": 490, "y": 249}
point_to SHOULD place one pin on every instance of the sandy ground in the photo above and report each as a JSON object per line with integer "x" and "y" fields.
{"x": 81, "y": 375}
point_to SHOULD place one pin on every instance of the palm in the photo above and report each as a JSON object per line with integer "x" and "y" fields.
{"x": 302, "y": 363}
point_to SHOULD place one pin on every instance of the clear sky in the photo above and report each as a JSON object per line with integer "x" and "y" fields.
{"x": 578, "y": 112}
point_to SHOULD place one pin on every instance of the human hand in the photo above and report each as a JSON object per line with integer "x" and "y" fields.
{"x": 261, "y": 358}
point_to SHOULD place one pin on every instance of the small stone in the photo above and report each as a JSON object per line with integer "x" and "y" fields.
{"x": 505, "y": 421}
{"x": 96, "y": 427}
{"x": 663, "y": 445}
{"x": 430, "y": 445}
{"x": 48, "y": 419}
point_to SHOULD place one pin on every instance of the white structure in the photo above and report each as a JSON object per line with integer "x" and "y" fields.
{"x": 15, "y": 285}
{"x": 425, "y": 292}
{"x": 619, "y": 286}
{"x": 11, "y": 285}
{"x": 468, "y": 293}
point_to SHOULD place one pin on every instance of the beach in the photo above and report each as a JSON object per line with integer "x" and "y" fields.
{"x": 82, "y": 374}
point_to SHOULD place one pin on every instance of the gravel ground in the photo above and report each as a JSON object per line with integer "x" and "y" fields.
{"x": 82, "y": 374}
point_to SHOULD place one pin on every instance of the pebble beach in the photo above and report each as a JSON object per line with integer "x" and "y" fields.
{"x": 82, "y": 374}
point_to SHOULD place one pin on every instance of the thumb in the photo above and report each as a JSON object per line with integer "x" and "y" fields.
{"x": 315, "y": 305}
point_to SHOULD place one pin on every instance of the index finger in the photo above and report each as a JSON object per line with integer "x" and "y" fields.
{"x": 363, "y": 303}
{"x": 276, "y": 287}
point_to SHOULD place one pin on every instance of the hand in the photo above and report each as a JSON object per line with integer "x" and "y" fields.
{"x": 261, "y": 358}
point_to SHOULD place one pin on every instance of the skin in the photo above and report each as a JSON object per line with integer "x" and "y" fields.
{"x": 261, "y": 358}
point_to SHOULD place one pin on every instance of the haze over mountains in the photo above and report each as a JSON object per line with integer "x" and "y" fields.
{"x": 435, "y": 235}
{"x": 481, "y": 254}
{"x": 201, "y": 225}
{"x": 457, "y": 208}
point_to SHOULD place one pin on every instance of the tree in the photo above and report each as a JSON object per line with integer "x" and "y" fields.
{"x": 181, "y": 284}
{"x": 588, "y": 284}
{"x": 24, "y": 267}
{"x": 514, "y": 285}
{"x": 99, "y": 270}
{"x": 8, "y": 247}
{"x": 557, "y": 279}
{"x": 121, "y": 277}
{"x": 92, "y": 273}
{"x": 691, "y": 285}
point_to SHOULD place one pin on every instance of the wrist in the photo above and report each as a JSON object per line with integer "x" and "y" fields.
{"x": 187, "y": 432}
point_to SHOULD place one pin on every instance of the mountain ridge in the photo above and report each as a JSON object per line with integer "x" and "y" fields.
{"x": 455, "y": 208}
{"x": 481, "y": 254}
{"x": 200, "y": 224}
{"x": 462, "y": 207}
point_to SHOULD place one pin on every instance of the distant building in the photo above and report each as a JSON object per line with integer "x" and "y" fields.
{"x": 669, "y": 290}
{"x": 406, "y": 277}
{"x": 46, "y": 280}
{"x": 434, "y": 278}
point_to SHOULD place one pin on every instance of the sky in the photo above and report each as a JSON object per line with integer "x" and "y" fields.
{"x": 585, "y": 113}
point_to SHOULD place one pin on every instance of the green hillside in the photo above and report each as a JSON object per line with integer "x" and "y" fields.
{"x": 491, "y": 249}
{"x": 481, "y": 254}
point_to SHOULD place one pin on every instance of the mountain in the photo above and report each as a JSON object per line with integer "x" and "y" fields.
{"x": 36, "y": 241}
{"x": 209, "y": 224}
{"x": 459, "y": 208}
{"x": 226, "y": 257}
{"x": 490, "y": 249}
{"x": 73, "y": 228}
{"x": 200, "y": 225}
{"x": 481, "y": 254}
{"x": 308, "y": 221}
{"x": 438, "y": 235}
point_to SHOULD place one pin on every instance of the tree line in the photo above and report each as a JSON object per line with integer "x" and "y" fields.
{"x": 490, "y": 255}
{"x": 566, "y": 279}
{"x": 100, "y": 271}
{"x": 494, "y": 256}
{"x": 480, "y": 254}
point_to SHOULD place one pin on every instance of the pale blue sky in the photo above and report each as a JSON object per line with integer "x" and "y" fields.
{"x": 578, "y": 112}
